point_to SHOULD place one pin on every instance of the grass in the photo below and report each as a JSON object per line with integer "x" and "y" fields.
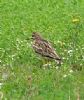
{"x": 22, "y": 76}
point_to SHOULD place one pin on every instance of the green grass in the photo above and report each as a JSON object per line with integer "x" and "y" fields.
{"x": 22, "y": 76}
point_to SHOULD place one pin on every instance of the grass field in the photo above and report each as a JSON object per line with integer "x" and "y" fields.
{"x": 22, "y": 76}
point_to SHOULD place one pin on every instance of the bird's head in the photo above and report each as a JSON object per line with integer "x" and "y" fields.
{"x": 35, "y": 35}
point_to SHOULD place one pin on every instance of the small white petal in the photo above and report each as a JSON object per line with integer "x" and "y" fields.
{"x": 1, "y": 85}
{"x": 65, "y": 76}
{"x": 63, "y": 58}
{"x": 71, "y": 71}
{"x": 70, "y": 51}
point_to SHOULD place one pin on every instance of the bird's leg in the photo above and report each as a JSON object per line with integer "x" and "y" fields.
{"x": 58, "y": 63}
{"x": 46, "y": 63}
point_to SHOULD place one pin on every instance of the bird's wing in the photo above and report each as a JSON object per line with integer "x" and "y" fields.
{"x": 50, "y": 51}
{"x": 45, "y": 49}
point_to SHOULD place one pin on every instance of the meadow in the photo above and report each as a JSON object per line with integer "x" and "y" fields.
{"x": 22, "y": 75}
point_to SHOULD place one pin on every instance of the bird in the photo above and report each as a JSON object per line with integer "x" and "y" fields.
{"x": 44, "y": 48}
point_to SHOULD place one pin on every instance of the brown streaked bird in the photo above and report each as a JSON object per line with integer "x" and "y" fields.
{"x": 44, "y": 48}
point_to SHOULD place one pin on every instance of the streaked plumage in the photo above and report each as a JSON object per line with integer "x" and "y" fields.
{"x": 44, "y": 48}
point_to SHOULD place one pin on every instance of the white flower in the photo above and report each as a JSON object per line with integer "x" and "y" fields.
{"x": 46, "y": 64}
{"x": 58, "y": 41}
{"x": 1, "y": 85}
{"x": 63, "y": 58}
{"x": 0, "y": 61}
{"x": 70, "y": 51}
{"x": 76, "y": 48}
{"x": 64, "y": 75}
{"x": 71, "y": 71}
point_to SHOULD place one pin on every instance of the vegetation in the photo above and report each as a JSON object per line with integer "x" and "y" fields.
{"x": 22, "y": 75}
